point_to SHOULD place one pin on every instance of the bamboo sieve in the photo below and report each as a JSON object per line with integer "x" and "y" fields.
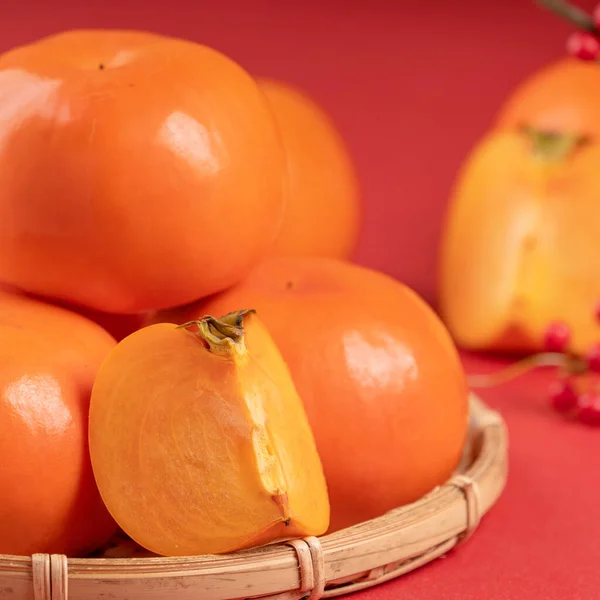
{"x": 343, "y": 562}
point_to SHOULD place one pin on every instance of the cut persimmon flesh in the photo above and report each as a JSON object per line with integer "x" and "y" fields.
{"x": 200, "y": 443}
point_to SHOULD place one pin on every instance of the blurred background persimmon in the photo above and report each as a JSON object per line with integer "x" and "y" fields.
{"x": 323, "y": 214}
{"x": 49, "y": 501}
{"x": 520, "y": 246}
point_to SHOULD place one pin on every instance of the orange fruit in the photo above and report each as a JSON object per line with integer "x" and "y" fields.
{"x": 200, "y": 443}
{"x": 521, "y": 238}
{"x": 380, "y": 378}
{"x": 128, "y": 162}
{"x": 49, "y": 501}
{"x": 323, "y": 215}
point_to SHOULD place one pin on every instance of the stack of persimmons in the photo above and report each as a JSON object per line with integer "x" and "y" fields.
{"x": 188, "y": 353}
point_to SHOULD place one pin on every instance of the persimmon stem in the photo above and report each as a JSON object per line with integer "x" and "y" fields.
{"x": 547, "y": 359}
{"x": 223, "y": 336}
{"x": 574, "y": 15}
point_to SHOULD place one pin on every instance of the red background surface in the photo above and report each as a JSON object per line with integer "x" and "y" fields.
{"x": 411, "y": 84}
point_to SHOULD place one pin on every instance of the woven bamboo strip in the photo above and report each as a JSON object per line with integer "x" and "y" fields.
{"x": 340, "y": 563}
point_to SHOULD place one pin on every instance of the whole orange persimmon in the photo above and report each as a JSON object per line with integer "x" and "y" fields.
{"x": 377, "y": 371}
{"x": 323, "y": 215}
{"x": 521, "y": 240}
{"x": 49, "y": 501}
{"x": 199, "y": 441}
{"x": 129, "y": 161}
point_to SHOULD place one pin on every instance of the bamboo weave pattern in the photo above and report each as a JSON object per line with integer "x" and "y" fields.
{"x": 310, "y": 568}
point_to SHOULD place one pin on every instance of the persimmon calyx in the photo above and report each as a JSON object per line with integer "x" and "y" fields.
{"x": 224, "y": 336}
{"x": 553, "y": 145}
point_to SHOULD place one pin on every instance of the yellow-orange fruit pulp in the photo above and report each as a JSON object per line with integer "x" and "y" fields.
{"x": 200, "y": 443}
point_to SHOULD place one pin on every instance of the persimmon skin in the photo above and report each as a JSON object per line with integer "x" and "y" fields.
{"x": 324, "y": 211}
{"x": 560, "y": 97}
{"x": 49, "y": 501}
{"x": 204, "y": 448}
{"x": 125, "y": 158}
{"x": 380, "y": 378}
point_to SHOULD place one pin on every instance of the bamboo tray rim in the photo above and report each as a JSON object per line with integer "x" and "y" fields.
{"x": 339, "y": 563}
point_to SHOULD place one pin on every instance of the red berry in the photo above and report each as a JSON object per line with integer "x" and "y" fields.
{"x": 593, "y": 358}
{"x": 588, "y": 408}
{"x": 563, "y": 397}
{"x": 583, "y": 45}
{"x": 556, "y": 337}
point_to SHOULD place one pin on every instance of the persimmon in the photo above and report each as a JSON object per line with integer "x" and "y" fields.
{"x": 49, "y": 501}
{"x": 199, "y": 441}
{"x": 379, "y": 375}
{"x": 127, "y": 159}
{"x": 323, "y": 214}
{"x": 522, "y": 235}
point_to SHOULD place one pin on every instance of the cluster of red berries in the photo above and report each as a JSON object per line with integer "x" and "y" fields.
{"x": 585, "y": 45}
{"x": 565, "y": 397}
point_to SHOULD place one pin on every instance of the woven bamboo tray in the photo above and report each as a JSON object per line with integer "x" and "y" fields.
{"x": 346, "y": 561}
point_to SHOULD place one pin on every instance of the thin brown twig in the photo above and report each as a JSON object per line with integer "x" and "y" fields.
{"x": 546, "y": 359}
{"x": 571, "y": 13}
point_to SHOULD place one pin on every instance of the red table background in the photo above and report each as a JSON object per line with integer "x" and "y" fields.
{"x": 411, "y": 84}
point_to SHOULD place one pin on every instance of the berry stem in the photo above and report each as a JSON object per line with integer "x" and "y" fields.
{"x": 545, "y": 359}
{"x": 574, "y": 15}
